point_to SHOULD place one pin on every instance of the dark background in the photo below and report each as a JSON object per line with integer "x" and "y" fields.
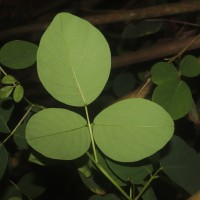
{"x": 28, "y": 19}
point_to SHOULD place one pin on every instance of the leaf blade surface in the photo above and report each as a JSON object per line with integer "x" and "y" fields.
{"x": 73, "y": 60}
{"x": 58, "y": 133}
{"x": 132, "y": 129}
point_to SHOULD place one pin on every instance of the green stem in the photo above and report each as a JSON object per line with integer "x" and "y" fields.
{"x": 29, "y": 102}
{"x": 3, "y": 71}
{"x": 22, "y": 119}
{"x": 15, "y": 185}
{"x": 154, "y": 176}
{"x": 18, "y": 188}
{"x": 109, "y": 177}
{"x": 131, "y": 191}
{"x": 34, "y": 105}
{"x": 91, "y": 134}
{"x": 39, "y": 106}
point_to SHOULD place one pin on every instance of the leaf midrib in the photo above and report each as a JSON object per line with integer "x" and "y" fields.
{"x": 124, "y": 125}
{"x": 57, "y": 133}
{"x": 71, "y": 65}
{"x": 174, "y": 95}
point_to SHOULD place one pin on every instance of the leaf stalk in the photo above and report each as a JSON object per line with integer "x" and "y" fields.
{"x": 91, "y": 133}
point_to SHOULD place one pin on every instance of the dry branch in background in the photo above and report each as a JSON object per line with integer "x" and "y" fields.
{"x": 154, "y": 52}
{"x": 144, "y": 13}
{"x": 196, "y": 196}
{"x": 141, "y": 92}
{"x": 114, "y": 16}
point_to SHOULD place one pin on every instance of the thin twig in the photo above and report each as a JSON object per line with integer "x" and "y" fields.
{"x": 104, "y": 172}
{"x": 185, "y": 48}
{"x": 154, "y": 176}
{"x": 147, "y": 83}
{"x": 19, "y": 123}
{"x": 156, "y": 51}
{"x": 1, "y": 69}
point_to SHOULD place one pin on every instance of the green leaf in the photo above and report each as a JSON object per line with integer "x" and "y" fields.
{"x": 182, "y": 164}
{"x": 30, "y": 185}
{"x": 3, "y": 160}
{"x": 39, "y": 159}
{"x": 3, "y": 126}
{"x": 8, "y": 79}
{"x": 93, "y": 183}
{"x": 104, "y": 165}
{"x": 175, "y": 97}
{"x": 19, "y": 137}
{"x": 15, "y": 198}
{"x": 123, "y": 84}
{"x": 18, "y": 54}
{"x": 32, "y": 158}
{"x": 6, "y": 91}
{"x": 58, "y": 133}
{"x": 18, "y": 93}
{"x": 6, "y": 108}
{"x": 141, "y": 29}
{"x": 134, "y": 172}
{"x": 149, "y": 194}
{"x": 85, "y": 170}
{"x": 132, "y": 129}
{"x": 106, "y": 197}
{"x": 11, "y": 192}
{"x": 162, "y": 72}
{"x": 190, "y": 66}
{"x": 73, "y": 60}
{"x": 84, "y": 165}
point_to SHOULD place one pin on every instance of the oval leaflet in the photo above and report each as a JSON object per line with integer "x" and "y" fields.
{"x": 132, "y": 129}
{"x": 58, "y": 133}
{"x": 73, "y": 60}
